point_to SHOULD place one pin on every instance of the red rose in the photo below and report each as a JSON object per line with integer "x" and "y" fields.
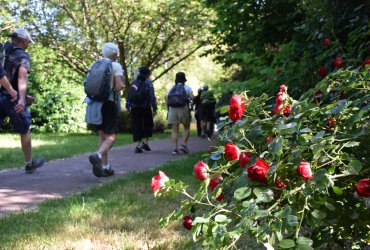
{"x": 326, "y": 42}
{"x": 279, "y": 184}
{"x": 158, "y": 181}
{"x": 232, "y": 152}
{"x": 269, "y": 139}
{"x": 338, "y": 62}
{"x": 318, "y": 92}
{"x": 236, "y": 99}
{"x": 363, "y": 188}
{"x": 331, "y": 123}
{"x": 304, "y": 170}
{"x": 366, "y": 62}
{"x": 280, "y": 98}
{"x": 214, "y": 182}
{"x": 187, "y": 222}
{"x": 200, "y": 171}
{"x": 244, "y": 159}
{"x": 287, "y": 110}
{"x": 220, "y": 197}
{"x": 236, "y": 111}
{"x": 258, "y": 171}
{"x": 283, "y": 88}
{"x": 322, "y": 71}
{"x": 278, "y": 107}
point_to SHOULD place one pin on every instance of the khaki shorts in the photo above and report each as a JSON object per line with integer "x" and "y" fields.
{"x": 179, "y": 115}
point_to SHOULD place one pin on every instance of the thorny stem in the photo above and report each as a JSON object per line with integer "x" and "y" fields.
{"x": 300, "y": 223}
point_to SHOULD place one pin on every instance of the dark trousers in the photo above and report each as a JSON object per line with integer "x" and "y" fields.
{"x": 142, "y": 123}
{"x": 199, "y": 123}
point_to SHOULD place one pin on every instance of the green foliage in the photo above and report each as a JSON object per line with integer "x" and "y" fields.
{"x": 320, "y": 212}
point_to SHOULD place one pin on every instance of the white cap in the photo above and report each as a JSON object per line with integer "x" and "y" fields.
{"x": 21, "y": 33}
{"x": 109, "y": 49}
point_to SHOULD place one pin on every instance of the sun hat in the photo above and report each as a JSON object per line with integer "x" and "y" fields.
{"x": 21, "y": 33}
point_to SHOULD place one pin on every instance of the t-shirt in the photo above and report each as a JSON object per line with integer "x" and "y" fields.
{"x": 117, "y": 71}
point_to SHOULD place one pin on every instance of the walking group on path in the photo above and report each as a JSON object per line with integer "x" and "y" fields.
{"x": 103, "y": 84}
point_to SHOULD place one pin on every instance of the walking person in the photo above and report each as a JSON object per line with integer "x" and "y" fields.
{"x": 102, "y": 108}
{"x": 142, "y": 103}
{"x": 17, "y": 67}
{"x": 178, "y": 100}
{"x": 208, "y": 104}
{"x": 198, "y": 111}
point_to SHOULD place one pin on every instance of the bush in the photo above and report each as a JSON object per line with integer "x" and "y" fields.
{"x": 287, "y": 179}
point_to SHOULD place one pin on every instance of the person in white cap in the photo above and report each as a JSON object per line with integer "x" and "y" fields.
{"x": 17, "y": 66}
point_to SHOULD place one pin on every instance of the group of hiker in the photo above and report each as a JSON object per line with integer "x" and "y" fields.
{"x": 103, "y": 84}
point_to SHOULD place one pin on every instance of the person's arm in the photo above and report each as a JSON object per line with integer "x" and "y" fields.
{"x": 191, "y": 95}
{"x": 22, "y": 89}
{"x": 8, "y": 87}
{"x": 119, "y": 83}
{"x": 153, "y": 99}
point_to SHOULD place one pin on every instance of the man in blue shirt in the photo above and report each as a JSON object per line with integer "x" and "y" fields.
{"x": 6, "y": 85}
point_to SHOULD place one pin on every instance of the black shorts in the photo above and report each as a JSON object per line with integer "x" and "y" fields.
{"x": 208, "y": 112}
{"x": 109, "y": 112}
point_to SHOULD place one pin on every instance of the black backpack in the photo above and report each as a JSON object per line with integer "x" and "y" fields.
{"x": 138, "y": 92}
{"x": 98, "y": 81}
{"x": 177, "y": 96}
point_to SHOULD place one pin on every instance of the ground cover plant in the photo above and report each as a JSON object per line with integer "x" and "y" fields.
{"x": 294, "y": 174}
{"x": 116, "y": 215}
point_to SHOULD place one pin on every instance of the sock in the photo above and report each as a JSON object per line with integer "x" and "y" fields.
{"x": 99, "y": 154}
{"x": 106, "y": 166}
{"x": 28, "y": 163}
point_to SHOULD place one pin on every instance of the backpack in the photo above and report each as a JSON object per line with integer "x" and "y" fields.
{"x": 207, "y": 97}
{"x": 177, "y": 97}
{"x": 138, "y": 92}
{"x": 11, "y": 57}
{"x": 98, "y": 80}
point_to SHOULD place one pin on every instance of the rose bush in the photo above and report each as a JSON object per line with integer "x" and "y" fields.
{"x": 304, "y": 187}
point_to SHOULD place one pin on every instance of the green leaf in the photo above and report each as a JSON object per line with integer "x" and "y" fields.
{"x": 224, "y": 109}
{"x": 329, "y": 206}
{"x": 305, "y": 130}
{"x": 355, "y": 166}
{"x": 304, "y": 247}
{"x": 288, "y": 126}
{"x": 292, "y": 220}
{"x": 264, "y": 194}
{"x": 200, "y": 220}
{"x": 261, "y": 213}
{"x": 318, "y": 214}
{"x": 276, "y": 146}
{"x": 286, "y": 244}
{"x": 337, "y": 190}
{"x": 318, "y": 136}
{"x": 351, "y": 144}
{"x": 304, "y": 241}
{"x": 242, "y": 193}
{"x": 220, "y": 218}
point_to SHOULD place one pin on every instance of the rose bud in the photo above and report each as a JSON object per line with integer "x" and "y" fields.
{"x": 342, "y": 95}
{"x": 363, "y": 188}
{"x": 283, "y": 88}
{"x": 200, "y": 171}
{"x": 338, "y": 62}
{"x": 159, "y": 181}
{"x": 214, "y": 182}
{"x": 236, "y": 99}
{"x": 244, "y": 159}
{"x": 269, "y": 139}
{"x": 322, "y": 71}
{"x": 331, "y": 123}
{"x": 236, "y": 111}
{"x": 220, "y": 197}
{"x": 187, "y": 222}
{"x": 279, "y": 184}
{"x": 278, "y": 107}
{"x": 326, "y": 42}
{"x": 232, "y": 152}
{"x": 366, "y": 62}
{"x": 258, "y": 171}
{"x": 287, "y": 110}
{"x": 304, "y": 170}
{"x": 280, "y": 98}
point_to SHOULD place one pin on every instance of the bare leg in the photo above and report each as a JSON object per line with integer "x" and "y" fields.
{"x": 104, "y": 155}
{"x": 26, "y": 146}
{"x": 186, "y": 133}
{"x": 106, "y": 142}
{"x": 175, "y": 135}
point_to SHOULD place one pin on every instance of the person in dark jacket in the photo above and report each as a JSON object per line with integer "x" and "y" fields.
{"x": 142, "y": 113}
{"x": 197, "y": 110}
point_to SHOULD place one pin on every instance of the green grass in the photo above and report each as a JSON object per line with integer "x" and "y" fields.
{"x": 54, "y": 146}
{"x": 122, "y": 214}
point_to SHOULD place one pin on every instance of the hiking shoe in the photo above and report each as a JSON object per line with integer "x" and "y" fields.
{"x": 95, "y": 161}
{"x": 184, "y": 149}
{"x": 138, "y": 150}
{"x": 175, "y": 152}
{"x": 36, "y": 163}
{"x": 146, "y": 147}
{"x": 106, "y": 172}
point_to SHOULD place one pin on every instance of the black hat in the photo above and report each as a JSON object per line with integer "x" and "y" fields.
{"x": 144, "y": 70}
{"x": 180, "y": 77}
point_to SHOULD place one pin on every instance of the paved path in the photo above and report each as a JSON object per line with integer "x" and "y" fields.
{"x": 62, "y": 177}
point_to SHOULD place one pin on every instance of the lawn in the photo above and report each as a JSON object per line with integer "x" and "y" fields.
{"x": 122, "y": 214}
{"x": 54, "y": 146}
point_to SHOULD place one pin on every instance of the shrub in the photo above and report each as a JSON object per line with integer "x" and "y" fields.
{"x": 298, "y": 188}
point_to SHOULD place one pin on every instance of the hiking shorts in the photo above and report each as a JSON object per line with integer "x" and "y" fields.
{"x": 109, "y": 112}
{"x": 179, "y": 115}
{"x": 20, "y": 121}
